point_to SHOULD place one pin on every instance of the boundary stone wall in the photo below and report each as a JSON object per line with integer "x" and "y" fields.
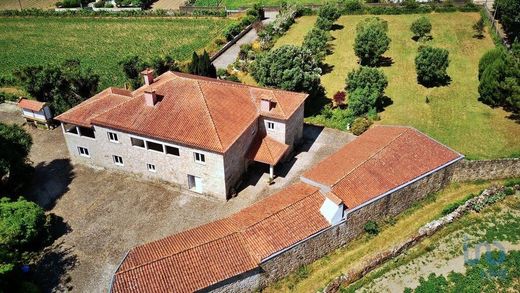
{"x": 467, "y": 170}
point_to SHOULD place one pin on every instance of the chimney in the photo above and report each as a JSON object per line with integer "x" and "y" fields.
{"x": 332, "y": 208}
{"x": 265, "y": 105}
{"x": 148, "y": 76}
{"x": 150, "y": 97}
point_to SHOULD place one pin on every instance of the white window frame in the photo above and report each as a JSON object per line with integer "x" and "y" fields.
{"x": 116, "y": 160}
{"x": 269, "y": 123}
{"x": 81, "y": 151}
{"x": 111, "y": 135}
{"x": 155, "y": 142}
{"x": 201, "y": 157}
{"x": 151, "y": 167}
{"x": 172, "y": 146}
{"x": 136, "y": 146}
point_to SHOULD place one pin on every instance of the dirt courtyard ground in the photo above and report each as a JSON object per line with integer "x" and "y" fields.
{"x": 103, "y": 214}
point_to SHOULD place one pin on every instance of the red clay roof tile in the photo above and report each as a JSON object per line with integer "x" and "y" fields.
{"x": 267, "y": 150}
{"x": 31, "y": 105}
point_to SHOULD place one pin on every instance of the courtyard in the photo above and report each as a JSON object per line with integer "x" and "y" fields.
{"x": 102, "y": 214}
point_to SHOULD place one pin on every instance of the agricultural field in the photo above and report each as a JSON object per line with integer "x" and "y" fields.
{"x": 498, "y": 222}
{"x": 100, "y": 43}
{"x": 453, "y": 115}
{"x": 235, "y": 4}
{"x": 25, "y": 4}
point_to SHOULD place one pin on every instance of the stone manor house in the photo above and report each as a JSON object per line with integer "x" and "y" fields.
{"x": 197, "y": 132}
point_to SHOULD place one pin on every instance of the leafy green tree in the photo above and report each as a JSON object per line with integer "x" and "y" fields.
{"x": 15, "y": 144}
{"x": 62, "y": 86}
{"x": 161, "y": 64}
{"x": 508, "y": 12}
{"x": 132, "y": 67}
{"x": 201, "y": 65}
{"x": 499, "y": 76}
{"x": 478, "y": 27}
{"x": 289, "y": 68}
{"x": 316, "y": 41}
{"x": 327, "y": 15}
{"x": 431, "y": 65}
{"x": 371, "y": 40}
{"x": 366, "y": 87}
{"x": 421, "y": 27}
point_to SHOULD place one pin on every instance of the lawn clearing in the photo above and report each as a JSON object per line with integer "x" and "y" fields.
{"x": 454, "y": 116}
{"x": 321, "y": 272}
{"x": 100, "y": 43}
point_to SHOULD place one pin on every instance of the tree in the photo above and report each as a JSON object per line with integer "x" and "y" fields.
{"x": 478, "y": 27}
{"x": 371, "y": 41}
{"x": 366, "y": 87}
{"x": 15, "y": 144}
{"x": 499, "y": 76}
{"x": 201, "y": 65}
{"x": 339, "y": 98}
{"x": 22, "y": 227}
{"x": 431, "y": 65}
{"x": 316, "y": 41}
{"x": 508, "y": 12}
{"x": 62, "y": 86}
{"x": 421, "y": 28}
{"x": 289, "y": 68}
{"x": 161, "y": 64}
{"x": 132, "y": 67}
{"x": 327, "y": 15}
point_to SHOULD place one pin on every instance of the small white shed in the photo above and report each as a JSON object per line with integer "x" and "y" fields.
{"x": 35, "y": 112}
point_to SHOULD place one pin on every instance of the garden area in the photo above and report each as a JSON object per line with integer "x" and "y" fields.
{"x": 101, "y": 43}
{"x": 440, "y": 253}
{"x": 450, "y": 112}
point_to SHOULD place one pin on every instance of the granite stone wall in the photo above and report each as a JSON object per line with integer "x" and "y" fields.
{"x": 486, "y": 169}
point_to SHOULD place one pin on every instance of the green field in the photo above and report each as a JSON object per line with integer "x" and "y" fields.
{"x": 234, "y": 4}
{"x": 454, "y": 115}
{"x": 102, "y": 42}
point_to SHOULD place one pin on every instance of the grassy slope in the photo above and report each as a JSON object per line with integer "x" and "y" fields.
{"x": 321, "y": 272}
{"x": 454, "y": 116}
{"x": 101, "y": 42}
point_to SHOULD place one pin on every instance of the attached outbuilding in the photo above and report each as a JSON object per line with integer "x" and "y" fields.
{"x": 37, "y": 113}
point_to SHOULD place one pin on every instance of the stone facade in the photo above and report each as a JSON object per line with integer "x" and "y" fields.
{"x": 486, "y": 169}
{"x": 219, "y": 174}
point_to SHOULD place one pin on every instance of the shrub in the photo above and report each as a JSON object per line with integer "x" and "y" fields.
{"x": 478, "y": 27}
{"x": 316, "y": 41}
{"x": 352, "y": 6}
{"x": 327, "y": 15}
{"x": 339, "y": 98}
{"x": 431, "y": 65}
{"x": 232, "y": 31}
{"x": 509, "y": 191}
{"x": 371, "y": 228}
{"x": 99, "y": 4}
{"x": 508, "y": 11}
{"x": 421, "y": 27}
{"x": 512, "y": 182}
{"x": 360, "y": 125}
{"x": 279, "y": 26}
{"x": 371, "y": 40}
{"x": 365, "y": 86}
{"x": 70, "y": 3}
{"x": 109, "y": 5}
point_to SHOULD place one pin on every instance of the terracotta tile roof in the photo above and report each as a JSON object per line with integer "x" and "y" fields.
{"x": 203, "y": 256}
{"x": 267, "y": 150}
{"x": 198, "y": 111}
{"x": 381, "y": 159}
{"x": 102, "y": 102}
{"x": 31, "y": 105}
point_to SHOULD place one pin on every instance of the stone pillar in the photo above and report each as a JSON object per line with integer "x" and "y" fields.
{"x": 271, "y": 171}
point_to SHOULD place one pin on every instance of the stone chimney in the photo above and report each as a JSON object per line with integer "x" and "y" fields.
{"x": 265, "y": 105}
{"x": 148, "y": 76}
{"x": 150, "y": 97}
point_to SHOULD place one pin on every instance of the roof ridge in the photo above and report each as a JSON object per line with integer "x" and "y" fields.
{"x": 105, "y": 93}
{"x": 370, "y": 157}
{"x": 173, "y": 254}
{"x": 268, "y": 148}
{"x": 210, "y": 116}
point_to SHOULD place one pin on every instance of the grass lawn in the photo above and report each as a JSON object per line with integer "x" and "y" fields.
{"x": 102, "y": 42}
{"x": 454, "y": 116}
{"x": 318, "y": 274}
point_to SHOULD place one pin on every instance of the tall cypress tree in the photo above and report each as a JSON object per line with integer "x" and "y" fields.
{"x": 194, "y": 65}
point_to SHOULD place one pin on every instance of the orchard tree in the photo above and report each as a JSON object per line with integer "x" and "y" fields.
{"x": 371, "y": 40}
{"x": 162, "y": 64}
{"x": 132, "y": 67}
{"x": 366, "y": 87}
{"x": 316, "y": 42}
{"x": 288, "y": 67}
{"x": 327, "y": 15}
{"x": 499, "y": 76}
{"x": 15, "y": 144}
{"x": 421, "y": 28}
{"x": 431, "y": 65}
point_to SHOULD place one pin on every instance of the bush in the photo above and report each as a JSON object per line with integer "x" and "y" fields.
{"x": 421, "y": 28}
{"x": 232, "y": 31}
{"x": 70, "y": 3}
{"x": 512, "y": 182}
{"x": 99, "y": 4}
{"x": 365, "y": 86}
{"x": 339, "y": 98}
{"x": 478, "y": 27}
{"x": 8, "y": 97}
{"x": 109, "y": 5}
{"x": 327, "y": 15}
{"x": 279, "y": 26}
{"x": 371, "y": 228}
{"x": 509, "y": 14}
{"x": 316, "y": 41}
{"x": 431, "y": 65}
{"x": 360, "y": 125}
{"x": 371, "y": 40}
{"x": 352, "y": 6}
